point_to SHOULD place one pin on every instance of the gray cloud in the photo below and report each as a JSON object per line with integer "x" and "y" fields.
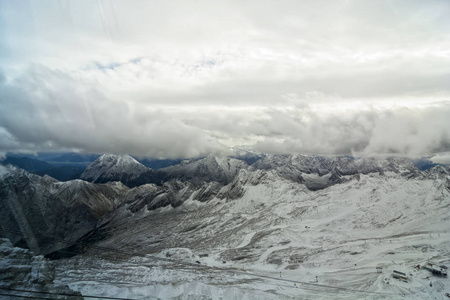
{"x": 47, "y": 110}
{"x": 181, "y": 79}
{"x": 369, "y": 130}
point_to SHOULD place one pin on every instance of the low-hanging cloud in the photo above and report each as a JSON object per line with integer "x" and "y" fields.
{"x": 364, "y": 131}
{"x": 49, "y": 110}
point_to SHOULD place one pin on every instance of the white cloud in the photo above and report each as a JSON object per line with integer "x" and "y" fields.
{"x": 441, "y": 158}
{"x": 185, "y": 78}
{"x": 49, "y": 110}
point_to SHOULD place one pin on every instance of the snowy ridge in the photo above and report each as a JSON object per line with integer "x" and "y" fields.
{"x": 211, "y": 168}
{"x": 109, "y": 167}
{"x": 3, "y": 171}
{"x": 246, "y": 154}
{"x": 345, "y": 165}
{"x": 318, "y": 172}
{"x": 100, "y": 198}
{"x": 217, "y": 216}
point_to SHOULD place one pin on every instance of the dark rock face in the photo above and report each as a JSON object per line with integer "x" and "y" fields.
{"x": 142, "y": 196}
{"x": 235, "y": 189}
{"x": 44, "y": 215}
{"x": 29, "y": 212}
{"x": 207, "y": 191}
{"x": 20, "y": 270}
{"x": 172, "y": 193}
{"x": 209, "y": 169}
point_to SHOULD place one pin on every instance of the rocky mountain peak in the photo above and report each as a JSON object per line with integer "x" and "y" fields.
{"x": 110, "y": 167}
{"x": 211, "y": 168}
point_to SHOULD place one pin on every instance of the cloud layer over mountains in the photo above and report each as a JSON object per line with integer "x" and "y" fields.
{"x": 185, "y": 79}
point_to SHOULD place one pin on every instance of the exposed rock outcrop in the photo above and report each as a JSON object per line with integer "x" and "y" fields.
{"x": 24, "y": 275}
{"x": 45, "y": 215}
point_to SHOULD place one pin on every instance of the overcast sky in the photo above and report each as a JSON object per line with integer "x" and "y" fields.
{"x": 182, "y": 79}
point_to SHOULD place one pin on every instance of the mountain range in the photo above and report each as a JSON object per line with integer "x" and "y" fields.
{"x": 295, "y": 214}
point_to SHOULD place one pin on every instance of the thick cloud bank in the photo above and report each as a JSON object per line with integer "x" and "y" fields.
{"x": 49, "y": 110}
{"x": 357, "y": 129}
{"x": 187, "y": 78}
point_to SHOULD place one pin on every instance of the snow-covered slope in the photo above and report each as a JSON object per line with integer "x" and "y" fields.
{"x": 280, "y": 240}
{"x": 109, "y": 167}
{"x": 222, "y": 230}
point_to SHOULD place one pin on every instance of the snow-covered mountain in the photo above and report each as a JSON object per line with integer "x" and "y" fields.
{"x": 211, "y": 168}
{"x": 318, "y": 172}
{"x": 344, "y": 165}
{"x": 246, "y": 154}
{"x": 263, "y": 231}
{"x": 277, "y": 239}
{"x": 110, "y": 167}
